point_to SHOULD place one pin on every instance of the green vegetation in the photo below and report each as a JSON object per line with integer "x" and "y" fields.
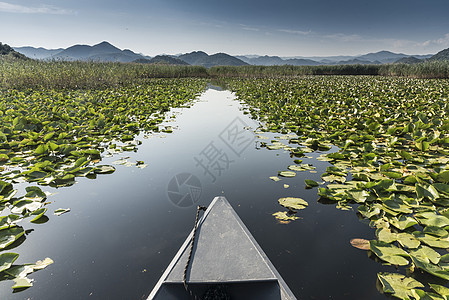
{"x": 51, "y": 136}
{"x": 428, "y": 69}
{"x": 391, "y": 165}
{"x": 9, "y": 53}
{"x": 86, "y": 75}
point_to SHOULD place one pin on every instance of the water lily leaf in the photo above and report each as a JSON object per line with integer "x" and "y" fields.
{"x": 368, "y": 212}
{"x": 431, "y": 240}
{"x": 408, "y": 240}
{"x": 35, "y": 192}
{"x": 287, "y": 174}
{"x": 61, "y": 211}
{"x": 22, "y": 283}
{"x": 9, "y": 221}
{"x": 41, "y": 264}
{"x": 311, "y": 183}
{"x": 10, "y": 235}
{"x": 104, "y": 169}
{"x": 293, "y": 203}
{"x": 426, "y": 254}
{"x": 5, "y": 187}
{"x": 430, "y": 268}
{"x": 389, "y": 253}
{"x": 360, "y": 244}
{"x": 398, "y": 285}
{"x": 443, "y": 177}
{"x": 432, "y": 219}
{"x": 284, "y": 218}
{"x": 426, "y": 192}
{"x": 386, "y": 236}
{"x": 442, "y": 188}
{"x": 436, "y": 231}
{"x": 422, "y": 295}
{"x": 331, "y": 178}
{"x": 275, "y": 178}
{"x": 403, "y": 222}
{"x": 441, "y": 290}
{"x": 38, "y": 214}
{"x": 6, "y": 260}
{"x": 29, "y": 205}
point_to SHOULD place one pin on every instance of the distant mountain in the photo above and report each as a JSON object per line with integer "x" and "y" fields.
{"x": 408, "y": 60}
{"x": 357, "y": 61}
{"x": 37, "y": 53}
{"x": 200, "y": 58}
{"x": 382, "y": 57}
{"x": 442, "y": 55}
{"x": 7, "y": 51}
{"x": 161, "y": 59}
{"x": 102, "y": 52}
{"x": 301, "y": 62}
{"x": 194, "y": 58}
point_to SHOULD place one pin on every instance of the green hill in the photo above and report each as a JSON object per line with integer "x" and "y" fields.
{"x": 442, "y": 55}
{"x": 7, "y": 51}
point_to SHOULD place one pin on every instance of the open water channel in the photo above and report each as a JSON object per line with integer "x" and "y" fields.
{"x": 124, "y": 228}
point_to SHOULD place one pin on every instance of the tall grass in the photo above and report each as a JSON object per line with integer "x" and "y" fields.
{"x": 428, "y": 69}
{"x": 62, "y": 74}
{"x": 15, "y": 73}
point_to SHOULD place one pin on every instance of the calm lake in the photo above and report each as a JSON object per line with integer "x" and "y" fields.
{"x": 123, "y": 229}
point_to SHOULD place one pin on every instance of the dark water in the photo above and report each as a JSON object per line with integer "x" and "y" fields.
{"x": 123, "y": 229}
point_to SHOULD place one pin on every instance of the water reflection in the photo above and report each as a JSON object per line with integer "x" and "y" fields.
{"x": 123, "y": 229}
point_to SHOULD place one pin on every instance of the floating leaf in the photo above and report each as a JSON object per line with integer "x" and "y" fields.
{"x": 61, "y": 211}
{"x": 360, "y": 244}
{"x": 104, "y": 169}
{"x": 10, "y": 235}
{"x": 399, "y": 285}
{"x": 275, "y": 178}
{"x": 287, "y": 174}
{"x": 6, "y": 260}
{"x": 38, "y": 214}
{"x": 284, "y": 218}
{"x": 311, "y": 183}
{"x": 293, "y": 203}
{"x": 389, "y": 253}
{"x": 22, "y": 283}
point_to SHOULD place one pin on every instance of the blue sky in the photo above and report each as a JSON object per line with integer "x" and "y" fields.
{"x": 264, "y": 27}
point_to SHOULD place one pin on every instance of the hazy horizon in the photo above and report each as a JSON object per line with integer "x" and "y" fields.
{"x": 283, "y": 28}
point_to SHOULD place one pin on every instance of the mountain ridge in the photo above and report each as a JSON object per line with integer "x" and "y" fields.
{"x": 106, "y": 52}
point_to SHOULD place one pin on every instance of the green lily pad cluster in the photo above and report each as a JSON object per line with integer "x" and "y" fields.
{"x": 387, "y": 140}
{"x": 51, "y": 137}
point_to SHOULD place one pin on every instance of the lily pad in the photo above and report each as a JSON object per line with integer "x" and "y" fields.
{"x": 61, "y": 211}
{"x": 361, "y": 244}
{"x": 287, "y": 174}
{"x": 6, "y": 260}
{"x": 284, "y": 218}
{"x": 398, "y": 285}
{"x": 293, "y": 203}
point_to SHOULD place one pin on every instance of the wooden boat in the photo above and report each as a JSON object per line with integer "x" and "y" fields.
{"x": 225, "y": 259}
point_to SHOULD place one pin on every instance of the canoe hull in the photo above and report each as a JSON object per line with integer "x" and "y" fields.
{"x": 225, "y": 254}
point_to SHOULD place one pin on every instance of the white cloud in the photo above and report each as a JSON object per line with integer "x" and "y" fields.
{"x": 250, "y": 28}
{"x": 444, "y": 41}
{"x": 300, "y": 32}
{"x": 43, "y": 9}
